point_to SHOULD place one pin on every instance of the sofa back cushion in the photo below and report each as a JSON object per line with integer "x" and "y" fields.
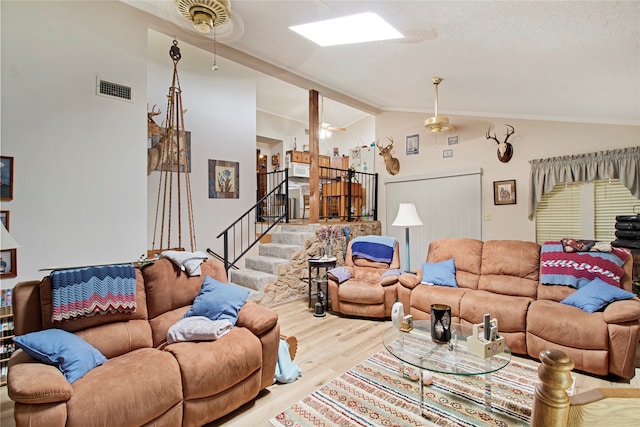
{"x": 170, "y": 292}
{"x": 125, "y": 331}
{"x": 467, "y": 255}
{"x": 510, "y": 267}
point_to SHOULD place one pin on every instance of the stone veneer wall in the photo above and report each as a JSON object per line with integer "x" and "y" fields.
{"x": 293, "y": 278}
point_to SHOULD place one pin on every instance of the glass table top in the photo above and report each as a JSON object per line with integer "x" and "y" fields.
{"x": 417, "y": 349}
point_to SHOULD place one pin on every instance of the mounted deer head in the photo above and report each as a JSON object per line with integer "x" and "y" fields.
{"x": 505, "y": 149}
{"x": 152, "y": 127}
{"x": 392, "y": 164}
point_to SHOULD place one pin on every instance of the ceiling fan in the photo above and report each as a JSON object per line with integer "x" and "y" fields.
{"x": 438, "y": 124}
{"x": 212, "y": 16}
{"x": 326, "y": 128}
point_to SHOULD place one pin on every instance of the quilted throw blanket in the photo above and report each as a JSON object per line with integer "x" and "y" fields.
{"x": 374, "y": 248}
{"x": 577, "y": 269}
{"x": 88, "y": 291}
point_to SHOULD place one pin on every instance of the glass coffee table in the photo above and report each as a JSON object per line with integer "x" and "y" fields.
{"x": 416, "y": 349}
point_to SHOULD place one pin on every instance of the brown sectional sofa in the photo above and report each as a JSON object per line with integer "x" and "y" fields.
{"x": 501, "y": 277}
{"x": 144, "y": 382}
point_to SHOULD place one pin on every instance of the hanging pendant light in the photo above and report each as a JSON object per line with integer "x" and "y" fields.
{"x": 438, "y": 124}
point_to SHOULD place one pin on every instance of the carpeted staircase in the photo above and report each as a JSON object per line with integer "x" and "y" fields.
{"x": 263, "y": 268}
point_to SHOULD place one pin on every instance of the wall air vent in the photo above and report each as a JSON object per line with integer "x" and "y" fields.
{"x": 113, "y": 90}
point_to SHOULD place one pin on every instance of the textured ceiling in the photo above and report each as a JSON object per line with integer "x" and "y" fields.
{"x": 558, "y": 60}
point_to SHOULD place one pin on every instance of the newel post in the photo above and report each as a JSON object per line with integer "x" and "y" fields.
{"x": 551, "y": 401}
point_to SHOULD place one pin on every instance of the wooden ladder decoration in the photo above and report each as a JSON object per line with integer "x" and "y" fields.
{"x": 174, "y": 161}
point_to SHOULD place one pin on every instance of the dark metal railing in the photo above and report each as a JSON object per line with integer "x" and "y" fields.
{"x": 348, "y": 195}
{"x": 345, "y": 195}
{"x": 245, "y": 232}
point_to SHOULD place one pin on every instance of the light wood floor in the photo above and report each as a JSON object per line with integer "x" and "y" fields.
{"x": 327, "y": 347}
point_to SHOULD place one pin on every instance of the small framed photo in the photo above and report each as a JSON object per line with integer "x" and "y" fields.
{"x": 6, "y": 178}
{"x": 4, "y": 217}
{"x": 452, "y": 140}
{"x": 224, "y": 179}
{"x": 8, "y": 266}
{"x": 413, "y": 144}
{"x": 504, "y": 192}
{"x": 447, "y": 153}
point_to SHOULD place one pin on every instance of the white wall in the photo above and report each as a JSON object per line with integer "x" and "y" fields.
{"x": 532, "y": 140}
{"x": 79, "y": 179}
{"x": 221, "y": 115}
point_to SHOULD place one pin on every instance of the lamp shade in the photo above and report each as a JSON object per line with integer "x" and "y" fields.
{"x": 407, "y": 216}
{"x": 6, "y": 241}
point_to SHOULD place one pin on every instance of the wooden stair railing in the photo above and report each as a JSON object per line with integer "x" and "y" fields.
{"x": 552, "y": 406}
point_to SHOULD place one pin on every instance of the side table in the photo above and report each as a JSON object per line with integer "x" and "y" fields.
{"x": 318, "y": 278}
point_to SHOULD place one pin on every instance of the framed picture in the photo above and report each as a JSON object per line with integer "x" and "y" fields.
{"x": 177, "y": 156}
{"x": 6, "y": 178}
{"x": 224, "y": 179}
{"x": 355, "y": 157}
{"x": 452, "y": 140}
{"x": 447, "y": 153}
{"x": 4, "y": 217}
{"x": 504, "y": 192}
{"x": 413, "y": 144}
{"x": 8, "y": 266}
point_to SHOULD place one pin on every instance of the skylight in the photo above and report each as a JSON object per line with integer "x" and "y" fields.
{"x": 363, "y": 27}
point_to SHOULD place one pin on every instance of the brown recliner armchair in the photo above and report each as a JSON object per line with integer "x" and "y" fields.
{"x": 364, "y": 287}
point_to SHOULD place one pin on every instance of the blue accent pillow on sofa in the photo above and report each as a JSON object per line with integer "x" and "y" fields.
{"x": 68, "y": 352}
{"x": 217, "y": 300}
{"x": 441, "y": 273}
{"x": 596, "y": 295}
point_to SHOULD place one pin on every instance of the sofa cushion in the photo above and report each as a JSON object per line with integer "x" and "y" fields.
{"x": 168, "y": 288}
{"x": 568, "y": 326}
{"x": 129, "y": 390}
{"x": 211, "y": 367}
{"x": 510, "y": 267}
{"x": 217, "y": 300}
{"x": 70, "y": 353}
{"x": 511, "y": 311}
{"x": 596, "y": 295}
{"x": 467, "y": 254}
{"x": 423, "y": 296}
{"x": 361, "y": 292}
{"x": 441, "y": 273}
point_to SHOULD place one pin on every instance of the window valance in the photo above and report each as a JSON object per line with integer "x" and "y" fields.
{"x": 622, "y": 164}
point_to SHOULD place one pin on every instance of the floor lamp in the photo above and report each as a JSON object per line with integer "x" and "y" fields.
{"x": 407, "y": 217}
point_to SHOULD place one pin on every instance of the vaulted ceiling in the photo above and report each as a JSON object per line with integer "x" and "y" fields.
{"x": 558, "y": 60}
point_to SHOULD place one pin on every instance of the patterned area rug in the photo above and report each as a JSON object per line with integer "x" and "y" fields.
{"x": 374, "y": 394}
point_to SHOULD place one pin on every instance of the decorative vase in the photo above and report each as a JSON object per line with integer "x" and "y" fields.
{"x": 328, "y": 250}
{"x": 440, "y": 323}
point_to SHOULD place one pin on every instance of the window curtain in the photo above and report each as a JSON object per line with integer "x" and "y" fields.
{"x": 623, "y": 164}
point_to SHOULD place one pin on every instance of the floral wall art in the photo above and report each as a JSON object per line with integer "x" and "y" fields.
{"x": 224, "y": 179}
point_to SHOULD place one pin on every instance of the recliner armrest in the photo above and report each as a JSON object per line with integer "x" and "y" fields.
{"x": 33, "y": 382}
{"x": 410, "y": 280}
{"x": 622, "y": 311}
{"x": 257, "y": 318}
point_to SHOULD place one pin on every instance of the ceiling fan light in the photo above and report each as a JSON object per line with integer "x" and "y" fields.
{"x": 202, "y": 20}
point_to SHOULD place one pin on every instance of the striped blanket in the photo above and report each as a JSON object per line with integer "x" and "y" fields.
{"x": 577, "y": 269}
{"x": 374, "y": 248}
{"x": 88, "y": 291}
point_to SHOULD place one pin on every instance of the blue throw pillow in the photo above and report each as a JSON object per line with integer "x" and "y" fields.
{"x": 595, "y": 296}
{"x": 68, "y": 352}
{"x": 441, "y": 273}
{"x": 217, "y": 300}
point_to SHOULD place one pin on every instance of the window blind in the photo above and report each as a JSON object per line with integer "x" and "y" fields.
{"x": 558, "y": 213}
